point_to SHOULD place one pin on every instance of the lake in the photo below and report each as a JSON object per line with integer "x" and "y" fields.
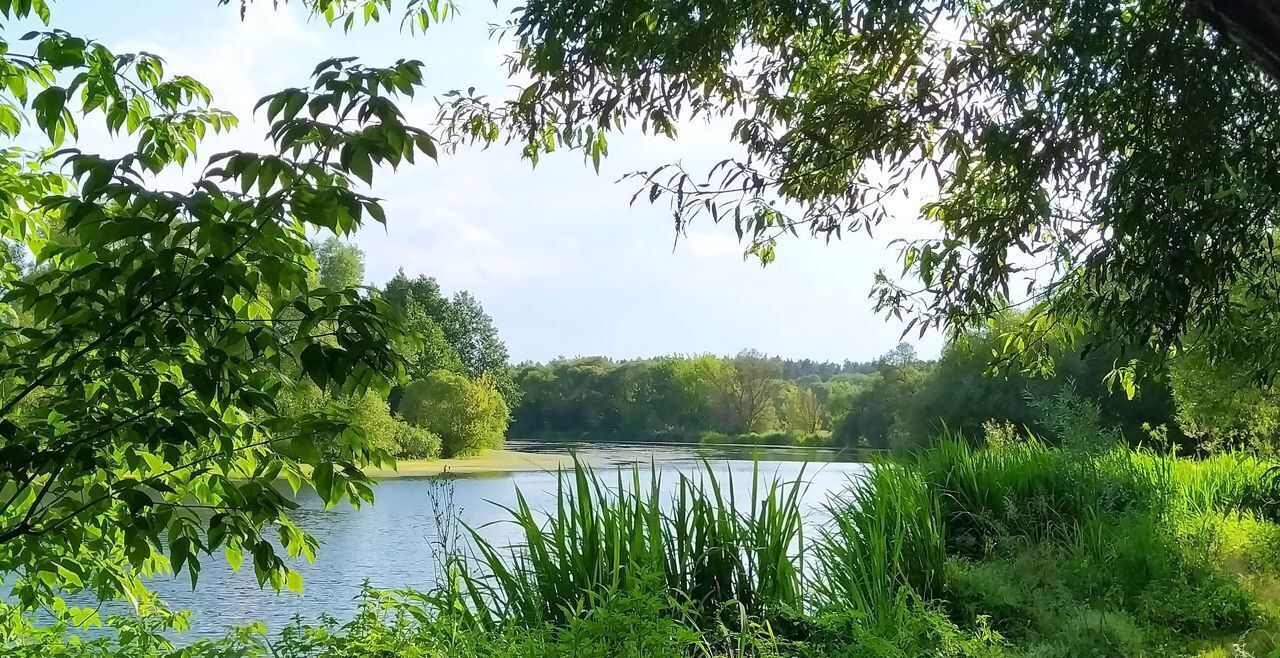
{"x": 393, "y": 543}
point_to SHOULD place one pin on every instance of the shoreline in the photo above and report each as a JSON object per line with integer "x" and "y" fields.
{"x": 493, "y": 461}
{"x": 516, "y": 460}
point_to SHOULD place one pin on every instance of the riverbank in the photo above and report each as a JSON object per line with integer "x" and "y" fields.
{"x": 541, "y": 455}
{"x": 493, "y": 461}
{"x": 1020, "y": 551}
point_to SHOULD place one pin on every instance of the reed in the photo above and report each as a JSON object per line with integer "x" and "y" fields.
{"x": 608, "y": 537}
{"x": 884, "y": 543}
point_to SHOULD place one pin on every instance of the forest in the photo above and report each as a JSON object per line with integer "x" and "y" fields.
{"x": 897, "y": 402}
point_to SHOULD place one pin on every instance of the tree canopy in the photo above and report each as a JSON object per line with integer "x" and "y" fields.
{"x": 1110, "y": 164}
{"x": 144, "y": 351}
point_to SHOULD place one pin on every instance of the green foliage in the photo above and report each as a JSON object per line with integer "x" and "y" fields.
{"x": 430, "y": 350}
{"x": 965, "y": 389}
{"x": 682, "y": 399}
{"x": 608, "y": 537}
{"x": 744, "y": 393}
{"x": 874, "y": 416}
{"x": 885, "y": 542}
{"x": 371, "y": 415}
{"x": 456, "y": 333}
{"x": 802, "y": 410}
{"x": 146, "y": 349}
{"x": 1105, "y": 153}
{"x": 469, "y": 416}
{"x": 619, "y": 569}
{"x": 911, "y": 628}
{"x": 1222, "y": 406}
{"x": 414, "y": 442}
{"x": 341, "y": 264}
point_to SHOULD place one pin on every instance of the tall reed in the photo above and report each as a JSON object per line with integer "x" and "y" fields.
{"x": 884, "y": 542}
{"x": 603, "y": 539}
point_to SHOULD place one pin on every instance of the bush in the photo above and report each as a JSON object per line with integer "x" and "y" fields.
{"x": 712, "y": 437}
{"x": 469, "y": 416}
{"x": 415, "y": 442}
{"x": 915, "y": 629}
{"x": 1098, "y": 634}
{"x": 372, "y": 417}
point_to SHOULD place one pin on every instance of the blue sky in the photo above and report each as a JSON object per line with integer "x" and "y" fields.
{"x": 559, "y": 257}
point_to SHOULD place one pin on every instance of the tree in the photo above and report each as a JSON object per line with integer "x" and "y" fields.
{"x": 429, "y": 348}
{"x": 401, "y": 291}
{"x": 1222, "y": 406}
{"x": 802, "y": 410}
{"x": 901, "y": 356}
{"x": 470, "y": 333}
{"x": 964, "y": 391}
{"x": 341, "y": 264}
{"x": 745, "y": 392}
{"x": 143, "y": 355}
{"x": 1115, "y": 158}
{"x": 469, "y": 416}
{"x": 875, "y": 414}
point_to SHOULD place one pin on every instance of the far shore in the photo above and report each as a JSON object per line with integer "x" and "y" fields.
{"x": 493, "y": 461}
{"x": 514, "y": 460}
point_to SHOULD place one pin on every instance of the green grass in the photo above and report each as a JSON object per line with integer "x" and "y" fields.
{"x": 884, "y": 539}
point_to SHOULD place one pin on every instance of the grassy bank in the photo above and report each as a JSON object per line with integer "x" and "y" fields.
{"x": 490, "y": 461}
{"x": 1021, "y": 551}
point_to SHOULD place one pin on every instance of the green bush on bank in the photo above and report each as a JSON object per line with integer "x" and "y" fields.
{"x": 470, "y": 416}
{"x": 415, "y": 442}
{"x": 816, "y": 439}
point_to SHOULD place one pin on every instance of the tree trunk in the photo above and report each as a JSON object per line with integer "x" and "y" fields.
{"x": 1253, "y": 24}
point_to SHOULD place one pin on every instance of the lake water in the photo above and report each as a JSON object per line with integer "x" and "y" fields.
{"x": 393, "y": 543}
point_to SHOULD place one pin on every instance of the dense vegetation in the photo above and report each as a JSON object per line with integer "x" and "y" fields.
{"x": 458, "y": 392}
{"x": 749, "y": 396}
{"x": 898, "y": 402}
{"x": 1018, "y": 550}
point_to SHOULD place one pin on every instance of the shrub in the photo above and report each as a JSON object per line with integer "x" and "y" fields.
{"x": 415, "y": 442}
{"x": 372, "y": 417}
{"x": 1098, "y": 634}
{"x": 469, "y": 416}
{"x": 914, "y": 629}
{"x": 711, "y": 437}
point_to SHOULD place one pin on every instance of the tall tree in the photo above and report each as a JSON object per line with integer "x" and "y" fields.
{"x": 475, "y": 338}
{"x": 341, "y": 264}
{"x": 746, "y": 391}
{"x": 802, "y": 410}
{"x": 470, "y": 331}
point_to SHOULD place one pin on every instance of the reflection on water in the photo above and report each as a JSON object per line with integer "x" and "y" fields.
{"x": 390, "y": 544}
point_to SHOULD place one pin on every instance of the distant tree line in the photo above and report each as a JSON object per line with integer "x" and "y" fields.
{"x": 686, "y": 397}
{"x": 897, "y": 401}
{"x": 463, "y": 393}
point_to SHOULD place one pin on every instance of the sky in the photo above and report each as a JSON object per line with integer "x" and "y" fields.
{"x": 558, "y": 255}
